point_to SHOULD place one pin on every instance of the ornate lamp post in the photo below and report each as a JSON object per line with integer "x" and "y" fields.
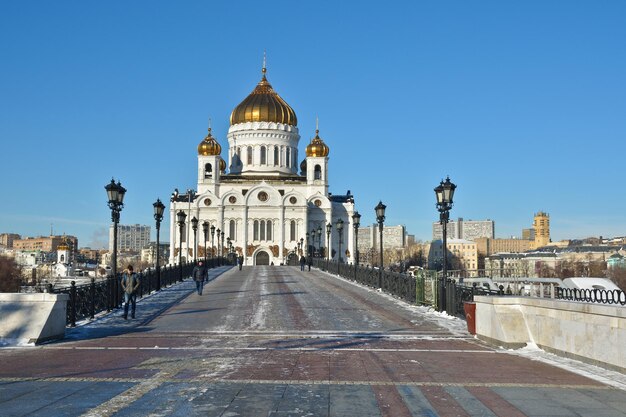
{"x": 205, "y": 231}
{"x": 115, "y": 193}
{"x": 319, "y": 240}
{"x": 339, "y": 226}
{"x": 308, "y": 245}
{"x": 212, "y": 241}
{"x": 444, "y": 193}
{"x": 228, "y": 246}
{"x": 380, "y": 218}
{"x": 301, "y": 246}
{"x": 180, "y": 219}
{"x": 218, "y": 231}
{"x": 222, "y": 234}
{"x": 194, "y": 227}
{"x": 356, "y": 222}
{"x": 329, "y": 229}
{"x": 159, "y": 208}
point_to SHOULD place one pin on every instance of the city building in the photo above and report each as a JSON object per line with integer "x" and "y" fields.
{"x": 462, "y": 254}
{"x": 487, "y": 246}
{"x": 541, "y": 225}
{"x": 262, "y": 204}
{"x": 148, "y": 253}
{"x": 465, "y": 229}
{"x": 130, "y": 238}
{"x": 6, "y": 239}
{"x": 45, "y": 244}
{"x": 530, "y": 264}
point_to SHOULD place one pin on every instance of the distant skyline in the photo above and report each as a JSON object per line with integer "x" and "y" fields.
{"x": 522, "y": 104}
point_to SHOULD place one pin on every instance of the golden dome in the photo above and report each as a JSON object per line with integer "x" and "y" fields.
{"x": 63, "y": 246}
{"x": 263, "y": 105}
{"x": 222, "y": 165}
{"x": 209, "y": 146}
{"x": 317, "y": 147}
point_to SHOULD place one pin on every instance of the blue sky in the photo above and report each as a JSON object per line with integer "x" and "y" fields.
{"x": 523, "y": 104}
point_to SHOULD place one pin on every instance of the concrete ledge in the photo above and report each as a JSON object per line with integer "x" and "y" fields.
{"x": 593, "y": 333}
{"x": 33, "y": 317}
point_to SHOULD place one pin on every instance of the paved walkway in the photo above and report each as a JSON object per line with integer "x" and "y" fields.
{"x": 274, "y": 341}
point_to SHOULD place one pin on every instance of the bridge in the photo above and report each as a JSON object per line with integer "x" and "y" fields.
{"x": 277, "y": 341}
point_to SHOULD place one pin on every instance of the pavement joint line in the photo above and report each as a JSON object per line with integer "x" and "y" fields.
{"x": 263, "y": 349}
{"x": 161, "y": 378}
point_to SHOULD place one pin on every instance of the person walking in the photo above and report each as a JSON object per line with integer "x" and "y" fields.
{"x": 130, "y": 284}
{"x": 199, "y": 274}
{"x": 308, "y": 262}
{"x": 302, "y": 262}
{"x": 239, "y": 262}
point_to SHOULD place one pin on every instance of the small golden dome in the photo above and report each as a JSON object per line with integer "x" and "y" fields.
{"x": 317, "y": 147}
{"x": 63, "y": 246}
{"x": 263, "y": 105}
{"x": 209, "y": 146}
{"x": 222, "y": 165}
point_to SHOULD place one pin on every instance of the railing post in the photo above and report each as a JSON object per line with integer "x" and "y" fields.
{"x": 92, "y": 295}
{"x": 73, "y": 304}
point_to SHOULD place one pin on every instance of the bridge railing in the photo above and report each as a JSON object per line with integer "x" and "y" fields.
{"x": 87, "y": 300}
{"x": 592, "y": 295}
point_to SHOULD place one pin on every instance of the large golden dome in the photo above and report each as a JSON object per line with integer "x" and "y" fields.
{"x": 263, "y": 105}
{"x": 317, "y": 147}
{"x": 209, "y": 146}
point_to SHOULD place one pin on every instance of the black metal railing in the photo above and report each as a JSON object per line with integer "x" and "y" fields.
{"x": 591, "y": 295}
{"x": 87, "y": 300}
{"x": 457, "y": 294}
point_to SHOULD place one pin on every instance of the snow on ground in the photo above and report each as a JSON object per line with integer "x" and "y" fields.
{"x": 458, "y": 327}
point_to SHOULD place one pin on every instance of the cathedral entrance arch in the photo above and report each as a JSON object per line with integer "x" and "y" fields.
{"x": 262, "y": 258}
{"x": 292, "y": 259}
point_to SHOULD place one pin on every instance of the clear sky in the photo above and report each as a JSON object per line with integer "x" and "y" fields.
{"x": 522, "y": 103}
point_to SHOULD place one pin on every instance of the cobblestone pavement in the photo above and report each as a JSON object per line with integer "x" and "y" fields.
{"x": 274, "y": 341}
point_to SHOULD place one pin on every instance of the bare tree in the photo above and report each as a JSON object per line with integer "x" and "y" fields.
{"x": 10, "y": 275}
{"x": 618, "y": 276}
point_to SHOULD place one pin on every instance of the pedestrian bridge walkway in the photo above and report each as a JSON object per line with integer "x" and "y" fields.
{"x": 273, "y": 340}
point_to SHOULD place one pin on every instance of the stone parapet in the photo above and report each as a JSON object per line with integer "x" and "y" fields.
{"x": 33, "y": 318}
{"x": 593, "y": 333}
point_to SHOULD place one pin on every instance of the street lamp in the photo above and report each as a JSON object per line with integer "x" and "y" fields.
{"x": 205, "y": 231}
{"x": 212, "y": 243}
{"x": 180, "y": 219}
{"x": 301, "y": 246}
{"x": 159, "y": 208}
{"x": 356, "y": 222}
{"x": 380, "y": 218}
{"x": 222, "y": 234}
{"x": 319, "y": 240}
{"x": 444, "y": 193}
{"x": 228, "y": 243}
{"x": 218, "y": 246}
{"x": 115, "y": 193}
{"x": 308, "y": 245}
{"x": 194, "y": 226}
{"x": 340, "y": 232}
{"x": 329, "y": 228}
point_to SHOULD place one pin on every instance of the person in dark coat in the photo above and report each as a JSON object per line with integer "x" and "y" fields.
{"x": 130, "y": 284}
{"x": 302, "y": 262}
{"x": 199, "y": 275}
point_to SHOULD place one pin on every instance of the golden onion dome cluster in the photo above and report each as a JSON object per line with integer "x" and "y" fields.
{"x": 209, "y": 146}
{"x": 317, "y": 147}
{"x": 263, "y": 105}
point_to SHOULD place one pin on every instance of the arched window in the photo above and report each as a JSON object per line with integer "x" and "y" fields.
{"x": 269, "y": 230}
{"x": 263, "y": 155}
{"x": 276, "y": 159}
{"x": 208, "y": 170}
{"x": 255, "y": 231}
{"x": 62, "y": 258}
{"x": 262, "y": 227}
{"x": 231, "y": 230}
{"x": 317, "y": 174}
{"x": 249, "y": 155}
{"x": 292, "y": 231}
{"x": 288, "y": 157}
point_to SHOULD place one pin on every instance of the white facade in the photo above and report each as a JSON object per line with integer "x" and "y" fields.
{"x": 262, "y": 204}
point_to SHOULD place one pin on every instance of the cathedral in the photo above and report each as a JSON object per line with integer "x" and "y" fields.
{"x": 256, "y": 202}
